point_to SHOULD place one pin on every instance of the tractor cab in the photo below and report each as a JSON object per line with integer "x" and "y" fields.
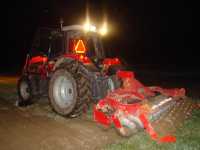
{"x": 47, "y": 42}
{"x": 71, "y": 41}
{"x": 85, "y": 45}
{"x": 77, "y": 41}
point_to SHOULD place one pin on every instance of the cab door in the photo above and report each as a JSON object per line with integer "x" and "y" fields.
{"x": 39, "y": 51}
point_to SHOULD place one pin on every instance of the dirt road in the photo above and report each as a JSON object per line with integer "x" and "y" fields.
{"x": 37, "y": 127}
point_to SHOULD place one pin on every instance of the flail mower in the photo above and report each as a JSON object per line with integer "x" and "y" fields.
{"x": 134, "y": 106}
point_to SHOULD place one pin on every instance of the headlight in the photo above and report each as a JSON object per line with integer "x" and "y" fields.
{"x": 91, "y": 28}
{"x": 103, "y": 30}
{"x": 88, "y": 27}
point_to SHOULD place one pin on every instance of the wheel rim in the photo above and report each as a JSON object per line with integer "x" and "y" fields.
{"x": 24, "y": 90}
{"x": 64, "y": 92}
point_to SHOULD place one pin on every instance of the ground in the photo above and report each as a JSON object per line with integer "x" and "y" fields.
{"x": 38, "y": 127}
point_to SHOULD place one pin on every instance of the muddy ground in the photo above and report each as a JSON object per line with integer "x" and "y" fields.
{"x": 37, "y": 127}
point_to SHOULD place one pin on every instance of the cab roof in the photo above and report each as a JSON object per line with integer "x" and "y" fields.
{"x": 72, "y": 27}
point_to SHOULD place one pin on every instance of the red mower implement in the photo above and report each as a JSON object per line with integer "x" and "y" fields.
{"x": 131, "y": 107}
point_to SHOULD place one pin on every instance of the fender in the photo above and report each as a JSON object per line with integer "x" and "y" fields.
{"x": 38, "y": 59}
{"x": 37, "y": 65}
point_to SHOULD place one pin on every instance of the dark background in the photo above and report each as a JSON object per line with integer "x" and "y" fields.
{"x": 149, "y": 34}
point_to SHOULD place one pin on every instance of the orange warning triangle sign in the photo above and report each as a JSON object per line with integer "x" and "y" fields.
{"x": 80, "y": 47}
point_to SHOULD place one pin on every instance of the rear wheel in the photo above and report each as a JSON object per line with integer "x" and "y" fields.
{"x": 24, "y": 91}
{"x": 69, "y": 91}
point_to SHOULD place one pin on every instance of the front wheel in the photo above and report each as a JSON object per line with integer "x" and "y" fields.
{"x": 24, "y": 91}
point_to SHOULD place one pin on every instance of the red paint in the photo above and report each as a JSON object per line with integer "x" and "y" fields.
{"x": 43, "y": 71}
{"x": 129, "y": 82}
{"x": 42, "y": 66}
{"x": 116, "y": 122}
{"x": 111, "y": 61}
{"x": 148, "y": 127}
{"x": 170, "y": 92}
{"x": 125, "y": 74}
{"x": 81, "y": 58}
{"x": 168, "y": 139}
{"x": 38, "y": 59}
{"x": 101, "y": 117}
{"x": 129, "y": 108}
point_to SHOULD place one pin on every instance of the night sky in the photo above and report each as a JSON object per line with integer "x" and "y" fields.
{"x": 142, "y": 31}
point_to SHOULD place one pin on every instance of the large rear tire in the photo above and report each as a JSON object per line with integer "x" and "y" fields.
{"x": 69, "y": 90}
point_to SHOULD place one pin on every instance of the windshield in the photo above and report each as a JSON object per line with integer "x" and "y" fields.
{"x": 85, "y": 44}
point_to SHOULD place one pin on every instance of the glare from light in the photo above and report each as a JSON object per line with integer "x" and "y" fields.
{"x": 92, "y": 28}
{"x": 88, "y": 27}
{"x": 103, "y": 30}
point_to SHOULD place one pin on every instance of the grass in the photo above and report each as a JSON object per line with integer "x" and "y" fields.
{"x": 8, "y": 91}
{"x": 188, "y": 138}
{"x": 7, "y": 86}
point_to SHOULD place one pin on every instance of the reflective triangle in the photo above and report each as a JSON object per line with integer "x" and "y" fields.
{"x": 80, "y": 47}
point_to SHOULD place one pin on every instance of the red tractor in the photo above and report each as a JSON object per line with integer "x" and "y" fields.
{"x": 69, "y": 66}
